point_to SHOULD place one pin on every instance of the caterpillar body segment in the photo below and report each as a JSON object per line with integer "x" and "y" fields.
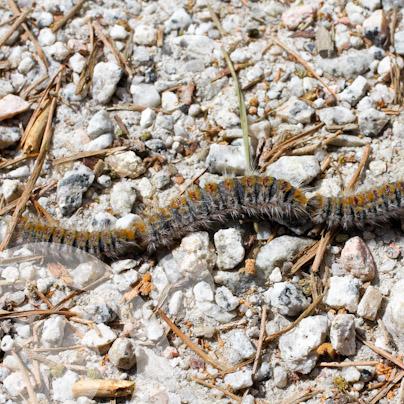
{"x": 253, "y": 197}
{"x": 375, "y": 206}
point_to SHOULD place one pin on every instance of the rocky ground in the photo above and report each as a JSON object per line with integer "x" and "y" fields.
{"x": 145, "y": 105}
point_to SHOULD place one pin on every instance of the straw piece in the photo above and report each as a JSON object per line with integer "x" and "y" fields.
{"x": 240, "y": 96}
{"x": 74, "y": 10}
{"x": 14, "y": 8}
{"x": 212, "y": 386}
{"x": 354, "y": 180}
{"x": 103, "y": 388}
{"x": 21, "y": 18}
{"x": 202, "y": 354}
{"x": 304, "y": 64}
{"x": 309, "y": 309}
{"x": 22, "y": 201}
{"x": 108, "y": 42}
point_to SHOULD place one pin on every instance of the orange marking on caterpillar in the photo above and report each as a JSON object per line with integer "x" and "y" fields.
{"x": 249, "y": 181}
{"x": 229, "y": 184}
{"x": 284, "y": 186}
{"x": 299, "y": 196}
{"x": 195, "y": 194}
{"x": 211, "y": 187}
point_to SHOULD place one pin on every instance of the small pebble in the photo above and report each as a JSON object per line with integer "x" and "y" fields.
{"x": 287, "y": 298}
{"x": 239, "y": 380}
{"x": 122, "y": 353}
{"x": 237, "y": 346}
{"x": 122, "y": 199}
{"x": 99, "y": 124}
{"x": 371, "y": 122}
{"x": 343, "y": 293}
{"x": 342, "y": 334}
{"x": 105, "y": 80}
{"x": 298, "y": 347}
{"x": 298, "y": 170}
{"x": 145, "y": 95}
{"x": 71, "y": 188}
{"x": 229, "y": 248}
{"x": 357, "y": 259}
{"x": 12, "y": 105}
{"x": 280, "y": 377}
{"x": 393, "y": 317}
{"x": 375, "y": 28}
{"x": 295, "y": 111}
{"x": 225, "y": 299}
{"x": 370, "y": 303}
{"x": 99, "y": 339}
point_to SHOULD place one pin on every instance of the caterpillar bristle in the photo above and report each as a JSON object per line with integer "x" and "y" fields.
{"x": 258, "y": 198}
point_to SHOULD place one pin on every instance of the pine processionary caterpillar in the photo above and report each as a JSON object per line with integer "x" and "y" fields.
{"x": 233, "y": 198}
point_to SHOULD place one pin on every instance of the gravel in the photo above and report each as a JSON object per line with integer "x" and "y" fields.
{"x": 135, "y": 141}
{"x": 278, "y": 251}
{"x": 298, "y": 170}
{"x": 105, "y": 80}
{"x": 343, "y": 293}
{"x": 298, "y": 347}
{"x": 287, "y": 299}
{"x": 342, "y": 334}
{"x": 229, "y": 248}
{"x": 393, "y": 318}
{"x": 357, "y": 259}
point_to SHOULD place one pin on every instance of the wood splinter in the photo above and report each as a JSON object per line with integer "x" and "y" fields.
{"x": 103, "y": 388}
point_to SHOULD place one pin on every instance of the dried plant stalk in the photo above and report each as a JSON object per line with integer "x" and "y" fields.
{"x": 14, "y": 8}
{"x": 354, "y": 180}
{"x": 21, "y": 18}
{"x": 202, "y": 354}
{"x": 103, "y": 388}
{"x": 74, "y": 10}
{"x": 33, "y": 139}
{"x": 22, "y": 201}
{"x": 122, "y": 61}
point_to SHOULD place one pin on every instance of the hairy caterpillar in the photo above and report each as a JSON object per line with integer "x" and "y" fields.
{"x": 235, "y": 198}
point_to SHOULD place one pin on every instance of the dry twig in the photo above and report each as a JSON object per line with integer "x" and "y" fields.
{"x": 22, "y": 201}
{"x": 395, "y": 378}
{"x": 304, "y": 64}
{"x": 382, "y": 352}
{"x": 187, "y": 341}
{"x": 109, "y": 43}
{"x": 21, "y": 18}
{"x": 28, "y": 384}
{"x": 306, "y": 312}
{"x": 73, "y": 11}
{"x": 354, "y": 180}
{"x": 212, "y": 386}
{"x": 82, "y": 155}
{"x": 347, "y": 364}
{"x": 271, "y": 155}
{"x": 14, "y": 8}
{"x": 260, "y": 339}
